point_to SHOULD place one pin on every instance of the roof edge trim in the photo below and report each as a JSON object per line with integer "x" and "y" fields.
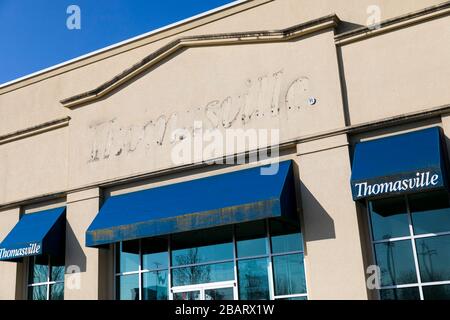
{"x": 129, "y": 41}
{"x": 238, "y": 38}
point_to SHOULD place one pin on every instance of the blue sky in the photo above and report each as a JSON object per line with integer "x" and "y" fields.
{"x": 34, "y": 34}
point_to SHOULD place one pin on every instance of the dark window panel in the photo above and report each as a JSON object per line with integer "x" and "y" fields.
{"x": 155, "y": 285}
{"x": 434, "y": 258}
{"x": 400, "y": 294}
{"x": 389, "y": 218}
{"x": 285, "y": 236}
{"x": 396, "y": 262}
{"x": 251, "y": 239}
{"x": 253, "y": 279}
{"x": 430, "y": 212}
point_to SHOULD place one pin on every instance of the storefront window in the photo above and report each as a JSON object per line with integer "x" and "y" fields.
{"x": 142, "y": 269}
{"x": 289, "y": 274}
{"x": 155, "y": 285}
{"x": 253, "y": 279}
{"x": 411, "y": 237}
{"x": 46, "y": 278}
{"x": 200, "y": 247}
{"x": 258, "y": 260}
{"x": 251, "y": 239}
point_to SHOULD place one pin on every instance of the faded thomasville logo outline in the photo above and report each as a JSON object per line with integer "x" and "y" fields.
{"x": 262, "y": 98}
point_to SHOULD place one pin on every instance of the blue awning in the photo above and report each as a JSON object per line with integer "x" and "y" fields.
{"x": 36, "y": 234}
{"x": 405, "y": 163}
{"x": 203, "y": 203}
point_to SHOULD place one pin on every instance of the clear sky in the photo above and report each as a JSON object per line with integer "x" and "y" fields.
{"x": 34, "y": 33}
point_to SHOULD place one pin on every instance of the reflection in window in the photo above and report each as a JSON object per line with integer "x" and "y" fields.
{"x": 434, "y": 258}
{"x": 37, "y": 292}
{"x": 205, "y": 246}
{"x": 253, "y": 279}
{"x": 400, "y": 294}
{"x": 128, "y": 287}
{"x": 208, "y": 273}
{"x": 128, "y": 255}
{"x": 38, "y": 269}
{"x": 236, "y": 253}
{"x": 289, "y": 274}
{"x": 251, "y": 239}
{"x": 219, "y": 294}
{"x": 190, "y": 295}
{"x": 154, "y": 254}
{"x": 389, "y": 218}
{"x": 46, "y": 278}
{"x": 396, "y": 262}
{"x": 430, "y": 212}
{"x": 285, "y": 236}
{"x": 423, "y": 252}
{"x": 155, "y": 285}
{"x": 436, "y": 292}
{"x": 57, "y": 291}
{"x": 302, "y": 298}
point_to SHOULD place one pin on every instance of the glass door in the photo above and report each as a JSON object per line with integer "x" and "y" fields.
{"x": 211, "y": 291}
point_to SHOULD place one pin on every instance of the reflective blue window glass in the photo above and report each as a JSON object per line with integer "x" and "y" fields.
{"x": 128, "y": 255}
{"x": 430, "y": 212}
{"x": 216, "y": 272}
{"x": 396, "y": 262}
{"x": 219, "y": 294}
{"x": 57, "y": 291}
{"x": 434, "y": 258}
{"x": 436, "y": 292}
{"x": 285, "y": 236}
{"x": 294, "y": 298}
{"x": 38, "y": 269}
{"x": 155, "y": 285}
{"x": 188, "y": 295}
{"x": 251, "y": 239}
{"x": 37, "y": 292}
{"x": 253, "y": 279}
{"x": 289, "y": 274}
{"x": 57, "y": 269}
{"x": 400, "y": 294}
{"x": 389, "y": 218}
{"x": 154, "y": 253}
{"x": 128, "y": 287}
{"x": 202, "y": 246}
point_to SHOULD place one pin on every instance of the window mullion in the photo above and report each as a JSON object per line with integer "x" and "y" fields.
{"x": 374, "y": 258}
{"x": 269, "y": 265}
{"x": 140, "y": 270}
{"x": 413, "y": 242}
{"x": 169, "y": 269}
{"x": 48, "y": 278}
{"x": 236, "y": 283}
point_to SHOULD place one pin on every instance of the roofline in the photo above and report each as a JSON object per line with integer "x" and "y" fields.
{"x": 125, "y": 42}
{"x": 237, "y": 38}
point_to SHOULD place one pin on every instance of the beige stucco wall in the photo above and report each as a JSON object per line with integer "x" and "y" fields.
{"x": 399, "y": 72}
{"x": 36, "y": 165}
{"x": 128, "y": 132}
{"x": 8, "y": 270}
{"x": 82, "y": 263}
{"x": 334, "y": 256}
{"x": 268, "y": 83}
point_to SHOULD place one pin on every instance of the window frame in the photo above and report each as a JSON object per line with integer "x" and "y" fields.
{"x": 48, "y": 283}
{"x": 269, "y": 255}
{"x": 412, "y": 238}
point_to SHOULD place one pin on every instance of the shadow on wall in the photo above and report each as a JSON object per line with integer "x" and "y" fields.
{"x": 77, "y": 257}
{"x": 346, "y": 26}
{"x": 318, "y": 225}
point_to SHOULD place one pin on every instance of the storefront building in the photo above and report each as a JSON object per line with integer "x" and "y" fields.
{"x": 269, "y": 149}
